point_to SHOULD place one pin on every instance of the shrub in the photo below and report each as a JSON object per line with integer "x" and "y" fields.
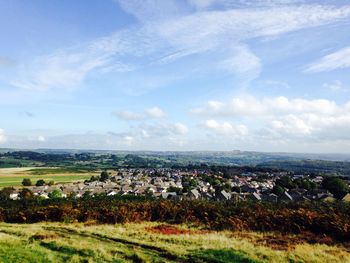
{"x": 40, "y": 182}
{"x": 26, "y": 182}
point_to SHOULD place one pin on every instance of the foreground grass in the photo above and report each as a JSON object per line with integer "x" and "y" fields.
{"x": 58, "y": 242}
{"x": 14, "y": 176}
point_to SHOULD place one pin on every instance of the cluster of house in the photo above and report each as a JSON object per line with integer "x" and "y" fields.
{"x": 178, "y": 184}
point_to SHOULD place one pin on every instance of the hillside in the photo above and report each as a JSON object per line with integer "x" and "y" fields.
{"x": 151, "y": 242}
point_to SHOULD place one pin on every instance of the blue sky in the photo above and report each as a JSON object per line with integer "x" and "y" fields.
{"x": 264, "y": 75}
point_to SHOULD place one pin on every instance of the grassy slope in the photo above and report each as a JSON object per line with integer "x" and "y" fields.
{"x": 55, "y": 242}
{"x": 14, "y": 176}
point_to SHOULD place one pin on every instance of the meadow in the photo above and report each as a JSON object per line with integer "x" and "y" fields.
{"x": 153, "y": 242}
{"x": 14, "y": 176}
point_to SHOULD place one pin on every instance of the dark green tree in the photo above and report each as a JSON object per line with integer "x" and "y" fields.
{"x": 278, "y": 190}
{"x": 285, "y": 181}
{"x": 336, "y": 186}
{"x": 174, "y": 189}
{"x": 26, "y": 182}
{"x": 104, "y": 176}
{"x": 87, "y": 194}
{"x": 40, "y": 182}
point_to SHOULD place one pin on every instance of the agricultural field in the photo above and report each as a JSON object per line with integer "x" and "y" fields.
{"x": 155, "y": 242}
{"x": 14, "y": 176}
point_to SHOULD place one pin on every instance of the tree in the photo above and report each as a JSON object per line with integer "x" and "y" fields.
{"x": 278, "y": 190}
{"x": 336, "y": 186}
{"x": 55, "y": 194}
{"x": 5, "y": 193}
{"x": 93, "y": 178}
{"x": 26, "y": 194}
{"x": 40, "y": 182}
{"x": 87, "y": 194}
{"x": 285, "y": 181}
{"x": 50, "y": 183}
{"x": 26, "y": 182}
{"x": 104, "y": 176}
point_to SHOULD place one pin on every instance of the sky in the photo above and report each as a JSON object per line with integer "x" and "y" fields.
{"x": 175, "y": 75}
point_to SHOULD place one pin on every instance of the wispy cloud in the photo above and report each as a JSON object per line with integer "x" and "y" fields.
{"x": 336, "y": 86}
{"x": 167, "y": 27}
{"x": 336, "y": 60}
{"x": 150, "y": 113}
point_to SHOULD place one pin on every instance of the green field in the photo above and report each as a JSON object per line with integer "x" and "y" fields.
{"x": 151, "y": 242}
{"x": 14, "y": 176}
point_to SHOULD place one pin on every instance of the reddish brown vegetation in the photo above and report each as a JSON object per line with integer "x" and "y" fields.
{"x": 173, "y": 230}
{"x": 318, "y": 218}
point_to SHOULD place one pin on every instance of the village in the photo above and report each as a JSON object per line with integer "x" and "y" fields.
{"x": 179, "y": 184}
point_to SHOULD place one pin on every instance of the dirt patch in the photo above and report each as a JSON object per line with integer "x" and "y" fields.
{"x": 173, "y": 230}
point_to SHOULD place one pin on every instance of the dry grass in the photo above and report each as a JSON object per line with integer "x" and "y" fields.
{"x": 58, "y": 242}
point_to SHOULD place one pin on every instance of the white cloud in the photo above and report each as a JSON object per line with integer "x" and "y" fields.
{"x": 201, "y": 4}
{"x": 159, "y": 130}
{"x": 41, "y": 138}
{"x": 180, "y": 128}
{"x": 279, "y": 117}
{"x": 250, "y": 106}
{"x": 150, "y": 113}
{"x": 226, "y": 128}
{"x": 129, "y": 140}
{"x": 151, "y": 136}
{"x": 155, "y": 112}
{"x": 337, "y": 60}
{"x": 3, "y": 138}
{"x": 335, "y": 86}
{"x": 128, "y": 116}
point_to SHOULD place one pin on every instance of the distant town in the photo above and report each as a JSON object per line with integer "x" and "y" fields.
{"x": 180, "y": 184}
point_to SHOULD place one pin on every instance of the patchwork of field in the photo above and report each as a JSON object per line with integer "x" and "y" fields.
{"x": 14, "y": 176}
{"x": 153, "y": 242}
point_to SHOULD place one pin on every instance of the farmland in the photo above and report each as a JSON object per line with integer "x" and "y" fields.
{"x": 153, "y": 242}
{"x": 14, "y": 176}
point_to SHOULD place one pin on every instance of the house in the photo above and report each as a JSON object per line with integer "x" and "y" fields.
{"x": 223, "y": 195}
{"x": 328, "y": 198}
{"x": 207, "y": 196}
{"x": 247, "y": 189}
{"x": 285, "y": 197}
{"x": 170, "y": 195}
{"x": 43, "y": 195}
{"x": 111, "y": 193}
{"x": 255, "y": 196}
{"x": 194, "y": 194}
{"x": 346, "y": 198}
{"x": 237, "y": 197}
{"x": 270, "y": 197}
{"x": 14, "y": 196}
